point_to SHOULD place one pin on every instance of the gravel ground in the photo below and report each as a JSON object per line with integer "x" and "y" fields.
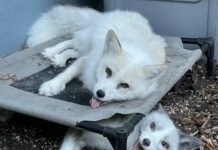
{"x": 193, "y": 106}
{"x": 27, "y": 133}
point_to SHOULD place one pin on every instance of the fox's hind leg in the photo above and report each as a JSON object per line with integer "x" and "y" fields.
{"x": 72, "y": 140}
{"x": 52, "y": 51}
{"x": 57, "y": 84}
{"x": 60, "y": 60}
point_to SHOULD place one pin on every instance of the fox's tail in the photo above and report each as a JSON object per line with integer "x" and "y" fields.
{"x": 60, "y": 20}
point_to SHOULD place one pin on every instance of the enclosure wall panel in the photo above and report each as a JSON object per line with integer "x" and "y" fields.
{"x": 16, "y": 18}
{"x": 169, "y": 18}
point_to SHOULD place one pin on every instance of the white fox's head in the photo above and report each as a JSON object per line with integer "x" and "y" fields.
{"x": 125, "y": 72}
{"x": 159, "y": 133}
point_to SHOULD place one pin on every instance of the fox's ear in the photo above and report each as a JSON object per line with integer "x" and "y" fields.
{"x": 161, "y": 110}
{"x": 112, "y": 44}
{"x": 188, "y": 142}
{"x": 154, "y": 71}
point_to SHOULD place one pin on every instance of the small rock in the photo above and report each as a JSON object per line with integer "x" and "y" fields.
{"x": 17, "y": 138}
{"x": 187, "y": 121}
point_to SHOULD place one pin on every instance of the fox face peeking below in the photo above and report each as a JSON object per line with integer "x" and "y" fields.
{"x": 158, "y": 132}
{"x": 125, "y": 72}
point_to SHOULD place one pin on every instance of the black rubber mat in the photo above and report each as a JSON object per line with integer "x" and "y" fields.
{"x": 74, "y": 91}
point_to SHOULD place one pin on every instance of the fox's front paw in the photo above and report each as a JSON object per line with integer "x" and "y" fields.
{"x": 51, "y": 88}
{"x": 47, "y": 53}
{"x": 58, "y": 61}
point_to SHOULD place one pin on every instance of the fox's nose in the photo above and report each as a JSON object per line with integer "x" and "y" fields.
{"x": 146, "y": 142}
{"x": 100, "y": 93}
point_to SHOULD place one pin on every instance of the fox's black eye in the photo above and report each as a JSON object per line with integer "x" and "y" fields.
{"x": 153, "y": 126}
{"x": 165, "y": 144}
{"x": 109, "y": 72}
{"x": 123, "y": 85}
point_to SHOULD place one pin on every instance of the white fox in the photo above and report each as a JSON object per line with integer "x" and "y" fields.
{"x": 156, "y": 132}
{"x": 118, "y": 55}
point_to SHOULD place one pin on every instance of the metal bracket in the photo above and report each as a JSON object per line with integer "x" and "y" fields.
{"x": 116, "y": 136}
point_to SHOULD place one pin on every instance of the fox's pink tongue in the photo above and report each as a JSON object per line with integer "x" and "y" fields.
{"x": 95, "y": 103}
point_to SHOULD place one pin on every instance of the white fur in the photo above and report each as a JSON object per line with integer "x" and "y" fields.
{"x": 165, "y": 131}
{"x": 59, "y": 60}
{"x": 121, "y": 40}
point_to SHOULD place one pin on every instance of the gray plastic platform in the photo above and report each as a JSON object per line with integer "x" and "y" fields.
{"x": 72, "y": 105}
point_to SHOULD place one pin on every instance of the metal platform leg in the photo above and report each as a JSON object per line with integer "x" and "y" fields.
{"x": 119, "y": 136}
{"x": 210, "y": 59}
{"x": 116, "y": 136}
{"x": 207, "y": 48}
{"x": 119, "y": 142}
